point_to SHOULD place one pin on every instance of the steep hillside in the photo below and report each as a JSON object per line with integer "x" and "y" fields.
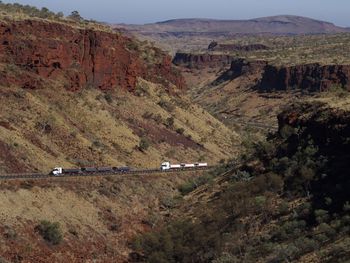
{"x": 97, "y": 217}
{"x": 285, "y": 200}
{"x": 76, "y": 96}
{"x": 73, "y": 93}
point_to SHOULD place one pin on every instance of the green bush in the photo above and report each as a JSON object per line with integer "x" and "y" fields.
{"x": 108, "y": 98}
{"x": 166, "y": 105}
{"x": 51, "y": 232}
{"x": 188, "y": 187}
{"x": 180, "y": 130}
{"x": 75, "y": 16}
{"x": 144, "y": 144}
{"x": 169, "y": 122}
{"x": 181, "y": 241}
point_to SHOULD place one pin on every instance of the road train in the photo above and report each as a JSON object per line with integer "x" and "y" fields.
{"x": 168, "y": 166}
{"x": 165, "y": 166}
{"x": 57, "y": 171}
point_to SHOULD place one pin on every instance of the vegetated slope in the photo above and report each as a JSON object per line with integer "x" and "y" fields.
{"x": 75, "y": 96}
{"x": 189, "y": 34}
{"x": 285, "y": 200}
{"x": 97, "y": 217}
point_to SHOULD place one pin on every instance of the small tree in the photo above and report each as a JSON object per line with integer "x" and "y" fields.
{"x": 180, "y": 130}
{"x": 51, "y": 232}
{"x": 60, "y": 15}
{"x": 169, "y": 122}
{"x": 144, "y": 144}
{"x": 75, "y": 16}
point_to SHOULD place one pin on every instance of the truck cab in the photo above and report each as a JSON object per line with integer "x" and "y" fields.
{"x": 165, "y": 166}
{"x": 57, "y": 171}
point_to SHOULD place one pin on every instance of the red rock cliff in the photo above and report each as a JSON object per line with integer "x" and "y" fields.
{"x": 37, "y": 50}
{"x": 313, "y": 77}
{"x": 202, "y": 60}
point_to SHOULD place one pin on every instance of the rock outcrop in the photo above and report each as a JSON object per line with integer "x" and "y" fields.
{"x": 241, "y": 67}
{"x": 35, "y": 51}
{"x": 214, "y": 46}
{"x": 312, "y": 77}
{"x": 202, "y": 60}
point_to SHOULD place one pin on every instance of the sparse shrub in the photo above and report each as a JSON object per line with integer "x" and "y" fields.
{"x": 10, "y": 233}
{"x": 74, "y": 134}
{"x": 27, "y": 185}
{"x": 290, "y": 229}
{"x": 227, "y": 258}
{"x": 182, "y": 241}
{"x": 321, "y": 216}
{"x": 168, "y": 106}
{"x": 306, "y": 245}
{"x": 180, "y": 130}
{"x": 346, "y": 207}
{"x": 98, "y": 144}
{"x": 158, "y": 118}
{"x": 169, "y": 202}
{"x": 260, "y": 201}
{"x": 147, "y": 115}
{"x": 286, "y": 131}
{"x": 304, "y": 210}
{"x": 75, "y": 16}
{"x": 326, "y": 229}
{"x": 286, "y": 253}
{"x": 51, "y": 232}
{"x": 195, "y": 183}
{"x": 188, "y": 187}
{"x": 144, "y": 144}
{"x": 283, "y": 208}
{"x": 338, "y": 91}
{"x": 239, "y": 175}
{"x": 108, "y": 98}
{"x": 169, "y": 122}
{"x": 74, "y": 232}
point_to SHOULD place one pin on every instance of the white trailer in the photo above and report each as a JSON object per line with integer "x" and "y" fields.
{"x": 168, "y": 166}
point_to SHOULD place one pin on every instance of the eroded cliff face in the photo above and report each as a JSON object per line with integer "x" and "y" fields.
{"x": 312, "y": 77}
{"x": 35, "y": 50}
{"x": 202, "y": 60}
{"x": 240, "y": 67}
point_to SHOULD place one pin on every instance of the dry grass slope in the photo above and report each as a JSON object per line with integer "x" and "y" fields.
{"x": 49, "y": 127}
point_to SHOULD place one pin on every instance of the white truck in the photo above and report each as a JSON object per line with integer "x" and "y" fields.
{"x": 58, "y": 171}
{"x": 165, "y": 166}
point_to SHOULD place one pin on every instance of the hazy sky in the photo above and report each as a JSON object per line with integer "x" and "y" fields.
{"x": 148, "y": 11}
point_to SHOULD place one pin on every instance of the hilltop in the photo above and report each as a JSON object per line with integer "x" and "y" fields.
{"x": 194, "y": 34}
{"x": 283, "y": 24}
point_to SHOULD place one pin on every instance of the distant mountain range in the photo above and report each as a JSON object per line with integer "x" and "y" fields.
{"x": 283, "y": 24}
